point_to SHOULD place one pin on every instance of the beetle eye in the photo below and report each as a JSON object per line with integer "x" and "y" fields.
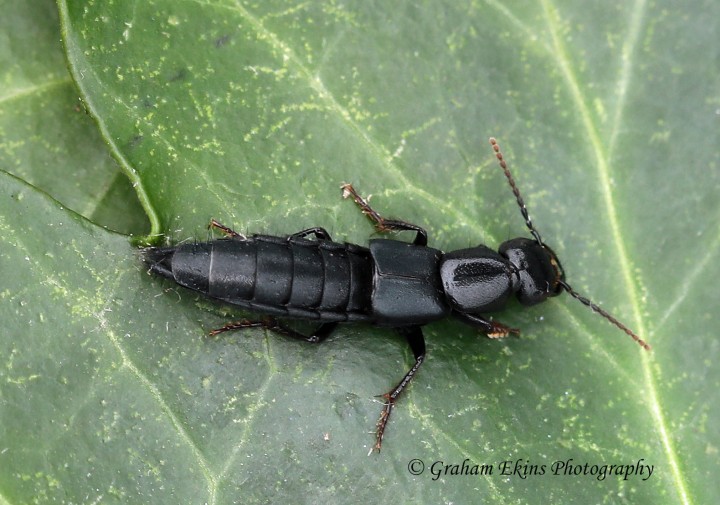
{"x": 557, "y": 285}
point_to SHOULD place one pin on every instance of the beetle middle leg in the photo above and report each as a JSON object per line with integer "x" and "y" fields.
{"x": 382, "y": 224}
{"x": 415, "y": 338}
{"x": 321, "y": 333}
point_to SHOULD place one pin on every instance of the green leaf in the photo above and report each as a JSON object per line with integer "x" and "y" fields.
{"x": 46, "y": 137}
{"x": 254, "y": 114}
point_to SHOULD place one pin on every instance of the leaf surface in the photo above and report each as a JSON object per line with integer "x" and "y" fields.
{"x": 46, "y": 135}
{"x": 254, "y": 114}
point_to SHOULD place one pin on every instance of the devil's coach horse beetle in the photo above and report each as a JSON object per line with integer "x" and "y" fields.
{"x": 390, "y": 284}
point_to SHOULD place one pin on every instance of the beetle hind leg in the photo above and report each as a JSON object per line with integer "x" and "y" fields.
{"x": 272, "y": 324}
{"x": 226, "y": 230}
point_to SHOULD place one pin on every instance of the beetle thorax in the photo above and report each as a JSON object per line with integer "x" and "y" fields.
{"x": 477, "y": 280}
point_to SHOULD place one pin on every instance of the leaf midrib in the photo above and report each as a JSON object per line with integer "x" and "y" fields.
{"x": 602, "y": 157}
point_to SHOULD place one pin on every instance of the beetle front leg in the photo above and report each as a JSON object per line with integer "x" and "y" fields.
{"x": 381, "y": 224}
{"x": 416, "y": 340}
{"x": 492, "y": 329}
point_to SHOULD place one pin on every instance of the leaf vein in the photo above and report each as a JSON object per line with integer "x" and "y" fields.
{"x": 603, "y": 167}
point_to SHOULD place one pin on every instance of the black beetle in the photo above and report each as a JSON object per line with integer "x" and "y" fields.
{"x": 390, "y": 284}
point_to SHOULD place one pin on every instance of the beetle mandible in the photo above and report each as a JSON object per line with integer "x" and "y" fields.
{"x": 390, "y": 284}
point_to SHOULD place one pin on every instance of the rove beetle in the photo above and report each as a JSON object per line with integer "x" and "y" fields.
{"x": 389, "y": 284}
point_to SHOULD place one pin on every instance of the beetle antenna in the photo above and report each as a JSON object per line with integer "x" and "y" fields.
{"x": 536, "y": 235}
{"x": 603, "y": 313}
{"x": 515, "y": 190}
{"x": 523, "y": 209}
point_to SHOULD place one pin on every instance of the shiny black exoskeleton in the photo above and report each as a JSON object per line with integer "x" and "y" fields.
{"x": 390, "y": 283}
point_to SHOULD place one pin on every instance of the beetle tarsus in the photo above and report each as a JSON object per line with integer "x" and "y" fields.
{"x": 272, "y": 324}
{"x": 240, "y": 325}
{"x": 226, "y": 230}
{"x": 501, "y": 331}
{"x": 382, "y": 224}
{"x": 390, "y": 399}
{"x": 493, "y": 329}
{"x": 414, "y": 337}
{"x": 381, "y": 423}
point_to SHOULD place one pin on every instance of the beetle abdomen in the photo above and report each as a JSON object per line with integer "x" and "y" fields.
{"x": 293, "y": 277}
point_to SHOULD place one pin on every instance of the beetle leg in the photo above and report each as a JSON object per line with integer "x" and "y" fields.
{"x": 415, "y": 338}
{"x": 226, "y": 230}
{"x": 492, "y": 329}
{"x": 319, "y": 232}
{"x": 381, "y": 224}
{"x": 322, "y": 332}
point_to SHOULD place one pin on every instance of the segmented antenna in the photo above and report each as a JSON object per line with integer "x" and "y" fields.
{"x": 515, "y": 190}
{"x": 603, "y": 313}
{"x": 523, "y": 210}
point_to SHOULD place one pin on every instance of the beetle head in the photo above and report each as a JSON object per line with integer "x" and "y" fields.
{"x": 539, "y": 273}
